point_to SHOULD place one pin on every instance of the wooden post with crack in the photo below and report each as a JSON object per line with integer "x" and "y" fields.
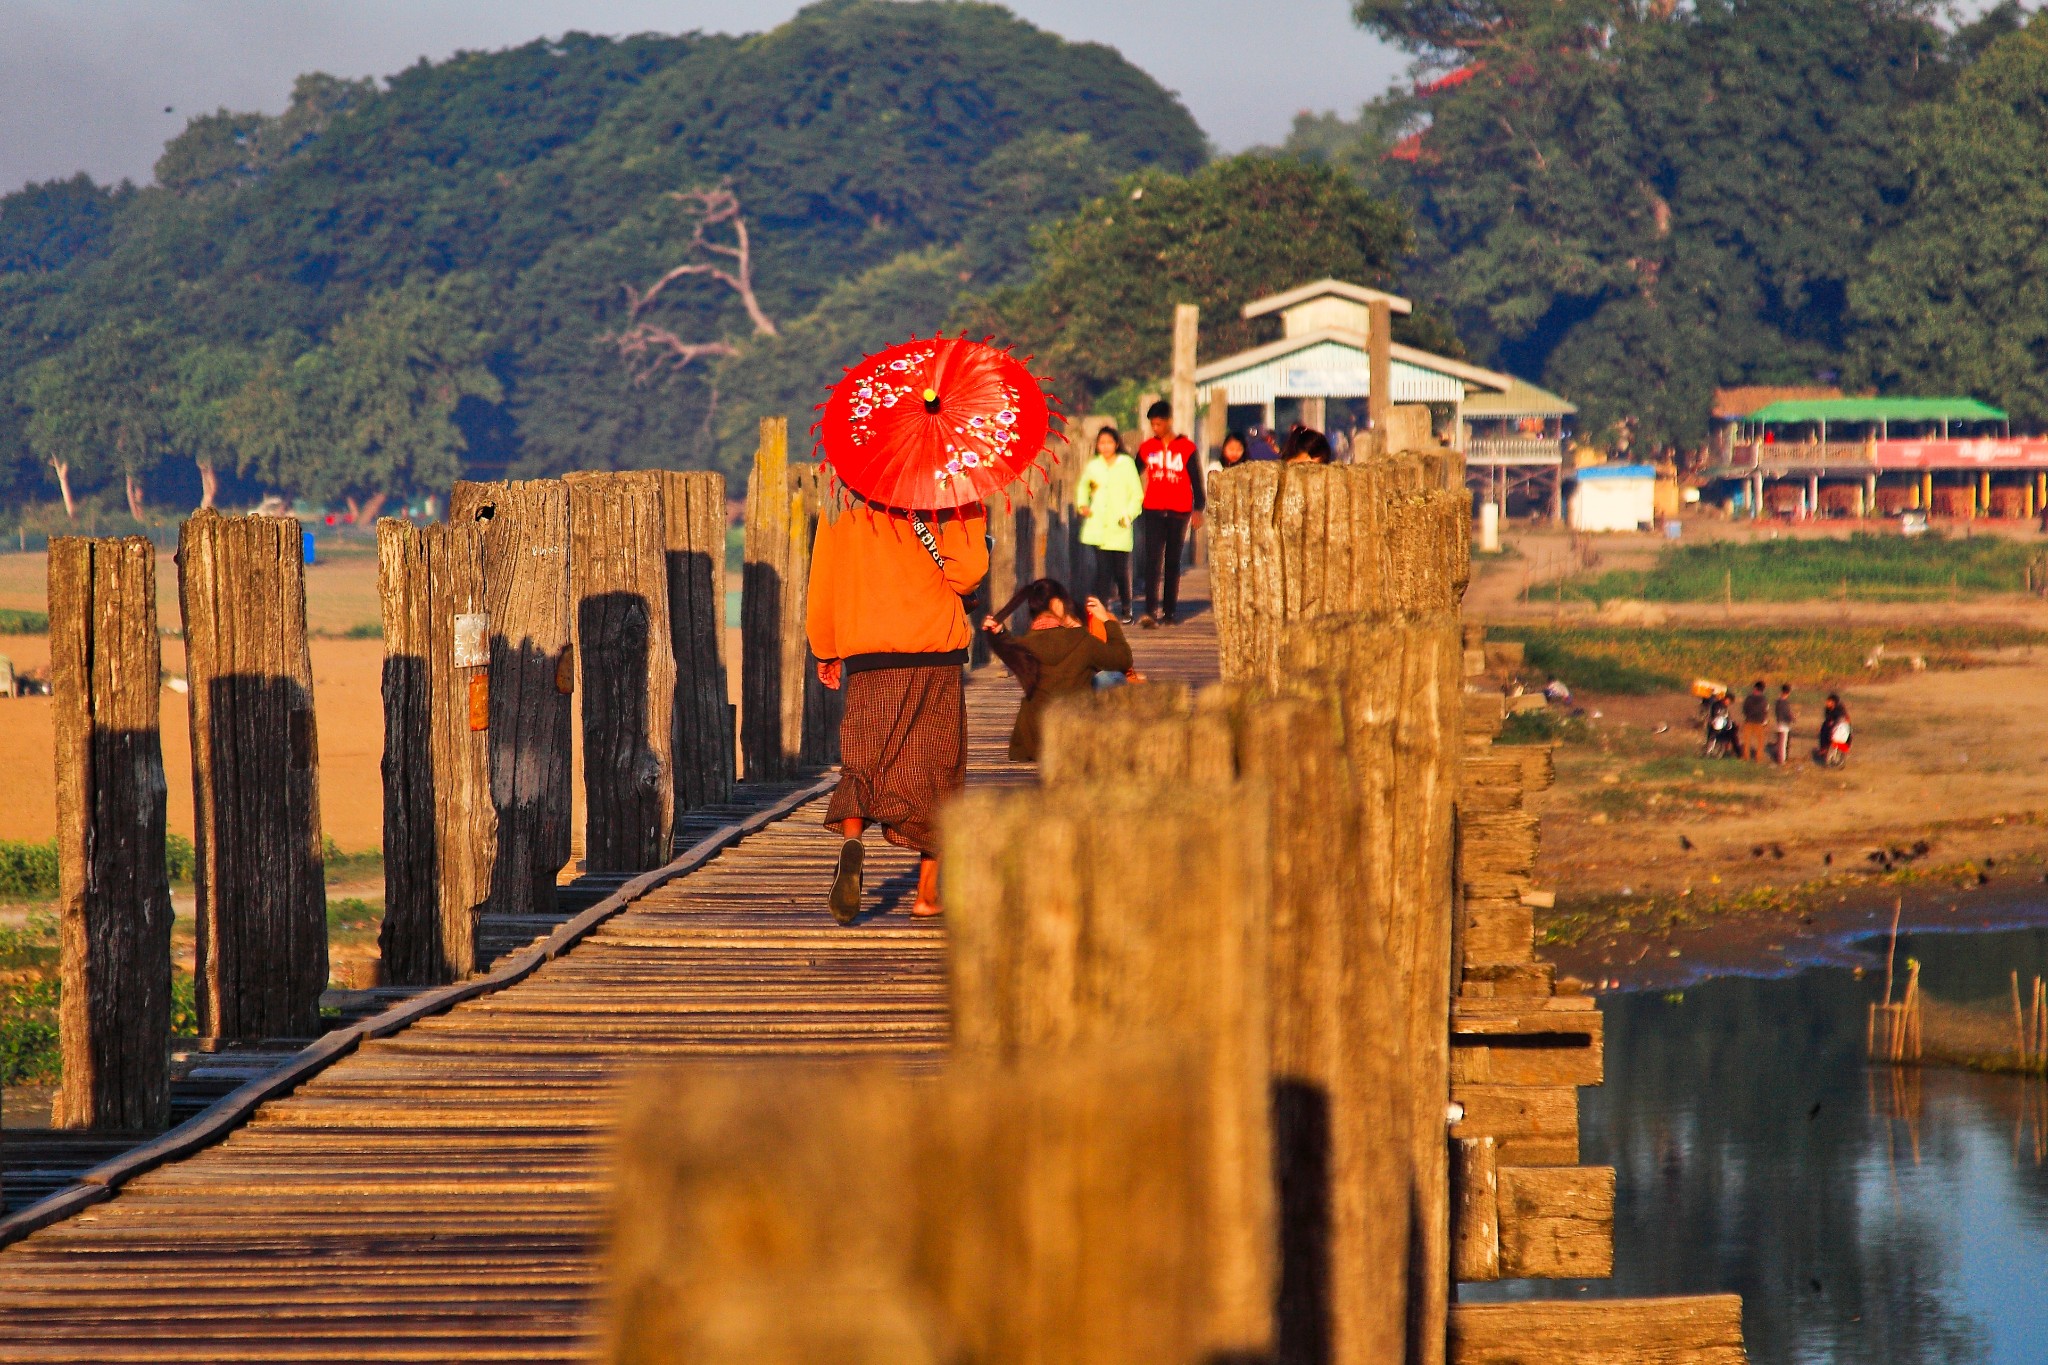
{"x": 262, "y": 897}
{"x": 114, "y": 896}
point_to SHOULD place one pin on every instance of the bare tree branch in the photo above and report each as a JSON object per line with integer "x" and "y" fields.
{"x": 650, "y": 350}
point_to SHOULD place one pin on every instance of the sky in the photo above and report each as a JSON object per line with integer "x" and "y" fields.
{"x": 84, "y": 84}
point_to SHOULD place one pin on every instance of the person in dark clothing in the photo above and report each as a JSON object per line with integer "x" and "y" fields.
{"x": 1173, "y": 497}
{"x": 1056, "y": 656}
{"x": 1306, "y": 445}
{"x": 1756, "y": 709}
{"x": 1830, "y": 713}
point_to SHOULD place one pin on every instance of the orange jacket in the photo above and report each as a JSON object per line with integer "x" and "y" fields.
{"x": 875, "y": 591}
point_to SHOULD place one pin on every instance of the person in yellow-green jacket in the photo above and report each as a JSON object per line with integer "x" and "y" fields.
{"x": 1109, "y": 499}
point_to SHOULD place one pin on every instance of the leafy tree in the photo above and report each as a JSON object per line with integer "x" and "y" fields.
{"x": 1640, "y": 202}
{"x": 787, "y": 374}
{"x": 1956, "y": 300}
{"x": 371, "y": 411}
{"x": 1099, "y": 308}
{"x": 103, "y": 407}
{"x": 207, "y": 378}
{"x": 49, "y": 225}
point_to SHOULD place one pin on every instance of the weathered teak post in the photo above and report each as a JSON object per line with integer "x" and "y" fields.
{"x": 532, "y": 680}
{"x": 440, "y": 827}
{"x": 114, "y": 896}
{"x": 1353, "y": 575}
{"x": 693, "y": 508}
{"x": 765, "y": 598}
{"x": 262, "y": 913}
{"x": 618, "y": 579}
{"x": 1379, "y": 360}
{"x": 1031, "y": 1215}
{"x": 1068, "y": 934}
{"x": 814, "y": 725}
{"x": 1342, "y": 1154}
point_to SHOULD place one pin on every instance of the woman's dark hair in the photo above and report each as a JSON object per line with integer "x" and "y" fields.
{"x": 1113, "y": 434}
{"x": 1307, "y": 441}
{"x": 1238, "y": 437}
{"x": 1037, "y": 598}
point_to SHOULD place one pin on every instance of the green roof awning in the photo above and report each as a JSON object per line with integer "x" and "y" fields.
{"x": 1876, "y": 410}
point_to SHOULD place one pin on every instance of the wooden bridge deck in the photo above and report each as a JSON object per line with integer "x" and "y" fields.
{"x": 437, "y": 1195}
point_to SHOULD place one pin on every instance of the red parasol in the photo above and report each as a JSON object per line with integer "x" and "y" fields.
{"x": 936, "y": 423}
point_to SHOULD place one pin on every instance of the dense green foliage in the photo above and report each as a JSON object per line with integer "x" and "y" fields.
{"x": 1638, "y": 660}
{"x": 1638, "y": 203}
{"x": 1866, "y": 567}
{"x": 1957, "y": 298}
{"x": 358, "y": 295}
{"x": 1099, "y": 307}
{"x": 28, "y": 871}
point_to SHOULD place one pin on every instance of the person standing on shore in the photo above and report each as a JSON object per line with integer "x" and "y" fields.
{"x": 1173, "y": 497}
{"x": 1784, "y": 717}
{"x": 887, "y": 624}
{"x": 1756, "y": 710}
{"x": 1109, "y": 499}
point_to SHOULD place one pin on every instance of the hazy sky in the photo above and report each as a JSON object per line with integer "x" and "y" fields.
{"x": 84, "y": 83}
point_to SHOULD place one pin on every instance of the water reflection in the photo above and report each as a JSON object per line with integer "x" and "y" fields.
{"x": 1863, "y": 1215}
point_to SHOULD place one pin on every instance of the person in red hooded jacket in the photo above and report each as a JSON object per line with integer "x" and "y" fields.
{"x": 1172, "y": 470}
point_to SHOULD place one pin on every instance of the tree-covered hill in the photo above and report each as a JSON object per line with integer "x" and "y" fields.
{"x": 469, "y": 259}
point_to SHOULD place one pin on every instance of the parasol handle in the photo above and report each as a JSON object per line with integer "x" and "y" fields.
{"x": 931, "y": 400}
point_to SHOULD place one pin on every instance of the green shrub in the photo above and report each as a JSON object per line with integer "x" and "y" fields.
{"x": 28, "y": 872}
{"x": 13, "y": 622}
{"x": 1638, "y": 660}
{"x": 364, "y": 630}
{"x": 1874, "y": 568}
{"x": 184, "y": 1004}
{"x": 1548, "y": 726}
{"x": 33, "y": 945}
{"x": 29, "y": 1052}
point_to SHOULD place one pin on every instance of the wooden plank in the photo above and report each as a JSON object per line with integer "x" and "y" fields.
{"x": 114, "y": 897}
{"x": 1556, "y": 1222}
{"x": 1703, "y": 1329}
{"x": 1533, "y": 1125}
{"x": 1475, "y": 1210}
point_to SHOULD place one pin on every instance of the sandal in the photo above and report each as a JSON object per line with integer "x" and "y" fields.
{"x": 845, "y": 899}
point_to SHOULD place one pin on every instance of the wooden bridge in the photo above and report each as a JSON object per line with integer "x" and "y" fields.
{"x": 435, "y": 1191}
{"x": 431, "y": 1182}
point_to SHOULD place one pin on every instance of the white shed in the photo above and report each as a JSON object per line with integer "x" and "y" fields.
{"x": 1614, "y": 497}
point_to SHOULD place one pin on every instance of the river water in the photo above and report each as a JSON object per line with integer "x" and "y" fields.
{"x": 1862, "y": 1214}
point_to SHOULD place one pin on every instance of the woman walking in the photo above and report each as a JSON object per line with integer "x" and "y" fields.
{"x": 887, "y": 625}
{"x": 1109, "y": 498}
{"x": 1056, "y": 656}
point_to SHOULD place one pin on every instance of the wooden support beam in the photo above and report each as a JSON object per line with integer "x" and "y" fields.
{"x": 1065, "y": 934}
{"x": 1475, "y": 1210}
{"x": 788, "y": 720}
{"x": 262, "y": 896}
{"x": 113, "y": 896}
{"x": 1187, "y": 325}
{"x": 1703, "y": 1329}
{"x": 1379, "y": 361}
{"x": 1051, "y": 1212}
{"x": 1556, "y": 1222}
{"x": 1532, "y": 1125}
{"x": 532, "y": 681}
{"x": 618, "y": 580}
{"x": 440, "y": 828}
{"x": 694, "y": 521}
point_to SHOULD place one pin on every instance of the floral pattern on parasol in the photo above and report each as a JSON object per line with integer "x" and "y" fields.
{"x": 935, "y": 423}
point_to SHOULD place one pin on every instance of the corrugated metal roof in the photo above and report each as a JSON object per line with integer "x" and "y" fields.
{"x": 1522, "y": 399}
{"x": 1334, "y": 365}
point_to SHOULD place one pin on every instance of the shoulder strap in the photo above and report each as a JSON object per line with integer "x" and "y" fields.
{"x": 925, "y": 538}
